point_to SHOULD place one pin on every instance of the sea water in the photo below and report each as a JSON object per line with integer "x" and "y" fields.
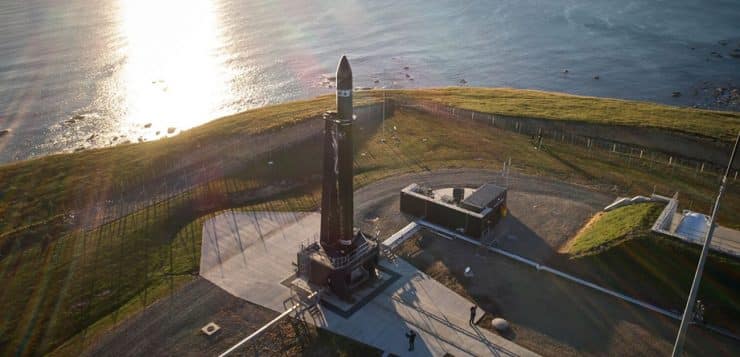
{"x": 77, "y": 74}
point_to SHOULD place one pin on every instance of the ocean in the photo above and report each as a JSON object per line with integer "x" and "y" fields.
{"x": 78, "y": 74}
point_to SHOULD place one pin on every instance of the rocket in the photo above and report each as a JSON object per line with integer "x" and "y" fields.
{"x": 337, "y": 229}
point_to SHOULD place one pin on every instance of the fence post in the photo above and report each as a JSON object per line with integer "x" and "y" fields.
{"x": 539, "y": 138}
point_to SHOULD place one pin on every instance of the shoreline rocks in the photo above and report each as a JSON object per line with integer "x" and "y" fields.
{"x": 718, "y": 96}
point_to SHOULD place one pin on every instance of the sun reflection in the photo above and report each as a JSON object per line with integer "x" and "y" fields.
{"x": 173, "y": 76}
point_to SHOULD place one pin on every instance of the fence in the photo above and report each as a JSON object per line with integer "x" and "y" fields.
{"x": 209, "y": 162}
{"x": 614, "y": 140}
{"x": 169, "y": 179}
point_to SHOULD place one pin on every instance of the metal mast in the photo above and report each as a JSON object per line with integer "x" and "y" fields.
{"x": 689, "y": 311}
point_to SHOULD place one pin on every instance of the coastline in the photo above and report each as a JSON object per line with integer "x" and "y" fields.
{"x": 531, "y": 103}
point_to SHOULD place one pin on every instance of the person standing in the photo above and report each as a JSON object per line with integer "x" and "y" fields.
{"x": 473, "y": 311}
{"x": 411, "y": 335}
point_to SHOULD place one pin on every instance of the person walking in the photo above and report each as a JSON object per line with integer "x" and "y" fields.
{"x": 411, "y": 335}
{"x": 473, "y": 310}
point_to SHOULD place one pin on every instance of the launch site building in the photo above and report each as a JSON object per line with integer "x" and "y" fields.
{"x": 472, "y": 212}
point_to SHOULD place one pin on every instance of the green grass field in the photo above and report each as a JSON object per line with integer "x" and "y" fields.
{"x": 37, "y": 189}
{"x": 548, "y": 105}
{"x": 63, "y": 288}
{"x": 614, "y": 227}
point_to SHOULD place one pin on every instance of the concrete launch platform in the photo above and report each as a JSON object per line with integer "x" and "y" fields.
{"x": 249, "y": 254}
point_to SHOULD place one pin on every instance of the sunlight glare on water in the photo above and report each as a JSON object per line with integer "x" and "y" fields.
{"x": 173, "y": 76}
{"x": 82, "y": 74}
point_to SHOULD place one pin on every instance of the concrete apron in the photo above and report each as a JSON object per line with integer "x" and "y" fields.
{"x": 249, "y": 254}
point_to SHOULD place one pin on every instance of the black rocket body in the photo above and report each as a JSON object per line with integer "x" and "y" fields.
{"x": 345, "y": 257}
{"x": 337, "y": 228}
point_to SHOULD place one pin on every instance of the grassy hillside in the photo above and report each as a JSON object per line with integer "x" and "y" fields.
{"x": 418, "y": 143}
{"x": 549, "y": 105}
{"x": 617, "y": 249}
{"x": 37, "y": 189}
{"x": 659, "y": 270}
{"x": 64, "y": 287}
{"x": 611, "y": 228}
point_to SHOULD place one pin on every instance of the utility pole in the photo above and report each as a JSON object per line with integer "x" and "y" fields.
{"x": 688, "y": 313}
